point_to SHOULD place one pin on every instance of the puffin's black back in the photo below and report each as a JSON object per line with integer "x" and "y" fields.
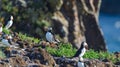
{"x": 6, "y": 21}
{"x": 79, "y": 50}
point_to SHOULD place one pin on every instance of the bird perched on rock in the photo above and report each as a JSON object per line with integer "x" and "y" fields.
{"x": 1, "y": 29}
{"x": 82, "y": 50}
{"x": 5, "y": 40}
{"x": 9, "y": 23}
{"x": 80, "y": 53}
{"x": 50, "y": 36}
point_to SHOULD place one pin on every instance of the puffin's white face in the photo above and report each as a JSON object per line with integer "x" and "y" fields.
{"x": 11, "y": 17}
{"x": 85, "y": 45}
{"x": 50, "y": 29}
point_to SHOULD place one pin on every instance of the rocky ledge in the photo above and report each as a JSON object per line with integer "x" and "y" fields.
{"x": 21, "y": 54}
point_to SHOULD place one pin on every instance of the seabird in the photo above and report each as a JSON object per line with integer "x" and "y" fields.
{"x": 82, "y": 50}
{"x": 9, "y": 23}
{"x": 80, "y": 54}
{"x": 1, "y": 29}
{"x": 5, "y": 40}
{"x": 1, "y": 33}
{"x": 50, "y": 37}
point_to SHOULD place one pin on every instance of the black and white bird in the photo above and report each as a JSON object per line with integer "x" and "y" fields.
{"x": 5, "y": 40}
{"x": 50, "y": 36}
{"x": 9, "y": 23}
{"x": 1, "y": 29}
{"x": 80, "y": 53}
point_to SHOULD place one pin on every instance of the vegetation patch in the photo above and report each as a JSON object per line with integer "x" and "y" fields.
{"x": 6, "y": 31}
{"x": 30, "y": 39}
{"x": 2, "y": 55}
{"x": 91, "y": 54}
{"x": 64, "y": 49}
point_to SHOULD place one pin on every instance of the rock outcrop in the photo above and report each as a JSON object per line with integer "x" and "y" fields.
{"x": 77, "y": 21}
{"x": 66, "y": 62}
{"x": 38, "y": 57}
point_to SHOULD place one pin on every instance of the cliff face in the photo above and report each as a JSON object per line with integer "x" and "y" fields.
{"x": 74, "y": 20}
{"x": 79, "y": 20}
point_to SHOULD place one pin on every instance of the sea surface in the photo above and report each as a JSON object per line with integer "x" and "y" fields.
{"x": 110, "y": 25}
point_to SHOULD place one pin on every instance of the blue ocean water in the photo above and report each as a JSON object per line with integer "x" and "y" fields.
{"x": 110, "y": 25}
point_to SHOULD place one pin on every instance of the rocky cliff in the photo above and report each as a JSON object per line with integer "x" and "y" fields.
{"x": 78, "y": 20}
{"x": 33, "y": 56}
{"x": 73, "y": 20}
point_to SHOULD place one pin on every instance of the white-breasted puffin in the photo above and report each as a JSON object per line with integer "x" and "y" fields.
{"x": 80, "y": 53}
{"x": 50, "y": 36}
{"x": 1, "y": 29}
{"x": 9, "y": 23}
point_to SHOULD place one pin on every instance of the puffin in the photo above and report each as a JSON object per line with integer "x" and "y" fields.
{"x": 50, "y": 36}
{"x": 1, "y": 33}
{"x": 9, "y": 23}
{"x": 5, "y": 40}
{"x": 80, "y": 53}
{"x": 1, "y": 29}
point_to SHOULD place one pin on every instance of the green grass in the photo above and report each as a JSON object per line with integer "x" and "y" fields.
{"x": 6, "y": 31}
{"x": 31, "y": 39}
{"x": 23, "y": 36}
{"x": 64, "y": 49}
{"x": 2, "y": 55}
{"x": 68, "y": 51}
{"x": 91, "y": 54}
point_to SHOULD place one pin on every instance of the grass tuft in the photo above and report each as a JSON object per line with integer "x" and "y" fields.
{"x": 91, "y": 54}
{"x": 64, "y": 49}
{"x": 6, "y": 31}
{"x": 31, "y": 39}
{"x": 2, "y": 55}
